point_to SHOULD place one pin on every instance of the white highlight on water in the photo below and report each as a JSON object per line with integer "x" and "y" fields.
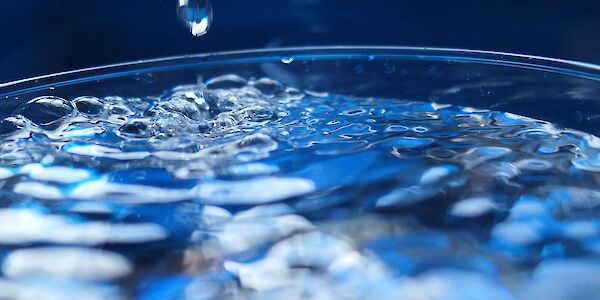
{"x": 66, "y": 262}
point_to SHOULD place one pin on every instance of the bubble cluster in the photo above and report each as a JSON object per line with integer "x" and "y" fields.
{"x": 246, "y": 188}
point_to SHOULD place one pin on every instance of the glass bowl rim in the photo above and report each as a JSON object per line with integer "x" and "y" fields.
{"x": 530, "y": 62}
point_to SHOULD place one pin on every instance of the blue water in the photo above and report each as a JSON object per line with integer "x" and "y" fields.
{"x": 243, "y": 188}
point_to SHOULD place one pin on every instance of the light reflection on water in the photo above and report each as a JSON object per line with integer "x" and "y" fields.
{"x": 251, "y": 189}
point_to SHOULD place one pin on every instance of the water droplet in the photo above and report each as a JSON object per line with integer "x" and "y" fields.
{"x": 196, "y": 15}
{"x": 287, "y": 60}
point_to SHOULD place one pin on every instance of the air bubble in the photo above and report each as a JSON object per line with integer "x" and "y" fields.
{"x": 268, "y": 87}
{"x": 121, "y": 110}
{"x": 135, "y": 128}
{"x": 257, "y": 142}
{"x": 14, "y": 124}
{"x": 46, "y": 110}
{"x": 258, "y": 114}
{"x": 189, "y": 109}
{"x": 89, "y": 105}
{"x": 226, "y": 82}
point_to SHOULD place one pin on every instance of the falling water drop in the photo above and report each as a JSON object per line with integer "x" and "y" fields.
{"x": 196, "y": 15}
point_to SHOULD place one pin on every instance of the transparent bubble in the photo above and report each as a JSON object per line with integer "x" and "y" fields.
{"x": 14, "y": 124}
{"x": 46, "y": 110}
{"x": 89, "y": 105}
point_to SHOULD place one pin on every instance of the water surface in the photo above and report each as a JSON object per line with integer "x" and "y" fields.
{"x": 244, "y": 188}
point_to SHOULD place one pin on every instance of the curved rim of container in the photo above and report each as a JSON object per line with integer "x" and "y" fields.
{"x": 539, "y": 63}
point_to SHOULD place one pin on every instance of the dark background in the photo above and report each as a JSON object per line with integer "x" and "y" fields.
{"x": 45, "y": 36}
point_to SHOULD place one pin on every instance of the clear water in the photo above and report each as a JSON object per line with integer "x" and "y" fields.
{"x": 248, "y": 189}
{"x": 195, "y": 15}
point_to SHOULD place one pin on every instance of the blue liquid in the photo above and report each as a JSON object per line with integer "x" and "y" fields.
{"x": 249, "y": 188}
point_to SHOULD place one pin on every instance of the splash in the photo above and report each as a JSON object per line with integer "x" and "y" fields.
{"x": 248, "y": 188}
